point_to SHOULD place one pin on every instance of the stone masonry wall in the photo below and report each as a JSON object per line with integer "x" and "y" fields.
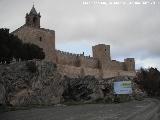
{"x": 69, "y": 71}
{"x": 116, "y": 65}
{"x": 66, "y": 58}
{"x": 80, "y": 65}
{"x": 77, "y": 60}
{"x": 42, "y": 37}
{"x": 88, "y": 62}
{"x": 113, "y": 73}
{"x": 92, "y": 72}
{"x": 74, "y": 72}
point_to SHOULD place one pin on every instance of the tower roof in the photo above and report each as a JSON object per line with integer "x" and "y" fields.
{"x": 33, "y": 11}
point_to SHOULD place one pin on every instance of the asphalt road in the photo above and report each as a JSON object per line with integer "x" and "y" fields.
{"x": 135, "y": 110}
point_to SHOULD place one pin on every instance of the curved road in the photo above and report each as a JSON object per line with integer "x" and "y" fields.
{"x": 147, "y": 109}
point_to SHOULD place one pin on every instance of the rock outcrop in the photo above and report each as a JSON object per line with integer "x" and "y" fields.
{"x": 40, "y": 83}
{"x": 21, "y": 87}
{"x": 90, "y": 89}
{"x": 81, "y": 89}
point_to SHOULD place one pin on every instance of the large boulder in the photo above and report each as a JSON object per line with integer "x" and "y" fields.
{"x": 82, "y": 89}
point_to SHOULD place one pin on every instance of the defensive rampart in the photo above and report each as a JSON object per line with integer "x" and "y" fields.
{"x": 72, "y": 71}
{"x": 77, "y": 60}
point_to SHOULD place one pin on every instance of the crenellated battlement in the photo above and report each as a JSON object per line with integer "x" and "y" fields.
{"x": 74, "y": 55}
{"x": 76, "y": 59}
{"x": 48, "y": 30}
{"x": 68, "y": 53}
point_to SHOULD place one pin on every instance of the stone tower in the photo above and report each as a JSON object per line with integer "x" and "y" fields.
{"x": 129, "y": 64}
{"x": 102, "y": 53}
{"x": 31, "y": 32}
{"x": 33, "y": 18}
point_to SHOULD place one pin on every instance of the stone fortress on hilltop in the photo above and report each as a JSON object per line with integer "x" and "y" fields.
{"x": 73, "y": 65}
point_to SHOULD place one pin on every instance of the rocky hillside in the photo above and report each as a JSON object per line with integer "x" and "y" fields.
{"x": 26, "y": 83}
{"x": 39, "y": 83}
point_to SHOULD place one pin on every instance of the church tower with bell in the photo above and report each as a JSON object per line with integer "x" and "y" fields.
{"x": 33, "y": 18}
{"x": 32, "y": 32}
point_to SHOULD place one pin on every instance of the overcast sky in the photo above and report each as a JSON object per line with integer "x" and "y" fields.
{"x": 131, "y": 30}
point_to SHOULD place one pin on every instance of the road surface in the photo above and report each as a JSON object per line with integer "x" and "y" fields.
{"x": 147, "y": 109}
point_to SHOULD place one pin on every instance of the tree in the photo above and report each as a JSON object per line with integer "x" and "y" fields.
{"x": 149, "y": 80}
{"x": 12, "y": 47}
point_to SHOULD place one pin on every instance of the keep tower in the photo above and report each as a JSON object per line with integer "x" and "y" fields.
{"x": 102, "y": 53}
{"x": 33, "y": 18}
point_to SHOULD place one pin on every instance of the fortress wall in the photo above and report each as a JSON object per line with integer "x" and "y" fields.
{"x": 69, "y": 71}
{"x": 88, "y": 62}
{"x": 74, "y": 72}
{"x": 116, "y": 65}
{"x": 113, "y": 73}
{"x": 44, "y": 38}
{"x": 128, "y": 73}
{"x": 66, "y": 58}
{"x": 108, "y": 73}
{"x": 91, "y": 72}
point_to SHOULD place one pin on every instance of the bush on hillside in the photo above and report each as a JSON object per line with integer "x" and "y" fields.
{"x": 12, "y": 47}
{"x": 149, "y": 81}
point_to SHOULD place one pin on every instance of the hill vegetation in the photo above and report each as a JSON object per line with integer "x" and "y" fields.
{"x": 149, "y": 81}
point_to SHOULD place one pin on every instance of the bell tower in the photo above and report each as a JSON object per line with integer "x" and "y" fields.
{"x": 33, "y": 18}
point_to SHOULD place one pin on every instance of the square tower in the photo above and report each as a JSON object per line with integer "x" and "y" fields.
{"x": 129, "y": 64}
{"x": 102, "y": 53}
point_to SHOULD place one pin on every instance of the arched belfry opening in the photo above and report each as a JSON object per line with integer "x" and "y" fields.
{"x": 33, "y": 18}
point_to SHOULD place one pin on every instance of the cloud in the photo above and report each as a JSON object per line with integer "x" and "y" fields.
{"x": 132, "y": 31}
{"x": 147, "y": 63}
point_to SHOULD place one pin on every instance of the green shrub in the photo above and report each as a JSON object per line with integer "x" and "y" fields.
{"x": 109, "y": 99}
{"x": 149, "y": 81}
{"x": 117, "y": 99}
{"x": 121, "y": 98}
{"x": 139, "y": 97}
{"x": 99, "y": 100}
{"x": 3, "y": 108}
